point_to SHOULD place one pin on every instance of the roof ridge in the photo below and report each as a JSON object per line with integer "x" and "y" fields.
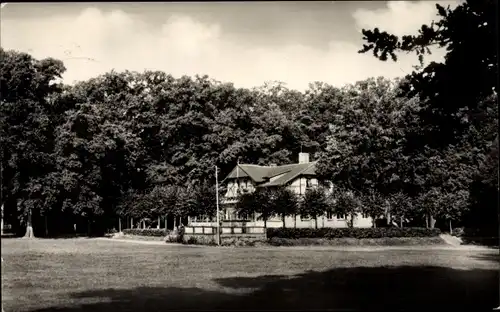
{"x": 254, "y": 165}
{"x": 298, "y": 173}
{"x": 277, "y": 174}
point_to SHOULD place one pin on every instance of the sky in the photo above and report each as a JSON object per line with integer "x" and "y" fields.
{"x": 246, "y": 43}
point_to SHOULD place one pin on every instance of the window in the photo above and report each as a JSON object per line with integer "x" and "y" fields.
{"x": 308, "y": 183}
{"x": 364, "y": 215}
{"x": 329, "y": 215}
{"x": 340, "y": 216}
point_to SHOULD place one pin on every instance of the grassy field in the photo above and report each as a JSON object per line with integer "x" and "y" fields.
{"x": 70, "y": 275}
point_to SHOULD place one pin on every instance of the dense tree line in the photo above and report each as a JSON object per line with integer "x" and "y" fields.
{"x": 145, "y": 145}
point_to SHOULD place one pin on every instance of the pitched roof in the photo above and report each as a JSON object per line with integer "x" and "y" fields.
{"x": 261, "y": 174}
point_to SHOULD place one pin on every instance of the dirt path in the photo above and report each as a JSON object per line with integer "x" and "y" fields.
{"x": 451, "y": 240}
{"x": 136, "y": 241}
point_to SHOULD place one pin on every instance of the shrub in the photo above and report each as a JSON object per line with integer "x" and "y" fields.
{"x": 200, "y": 240}
{"x": 458, "y": 232}
{"x": 173, "y": 238}
{"x": 235, "y": 242}
{"x": 358, "y": 233}
{"x": 146, "y": 232}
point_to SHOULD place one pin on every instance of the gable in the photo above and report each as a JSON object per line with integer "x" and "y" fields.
{"x": 237, "y": 173}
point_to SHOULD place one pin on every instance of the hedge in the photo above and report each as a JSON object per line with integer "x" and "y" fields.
{"x": 146, "y": 232}
{"x": 329, "y": 233}
{"x": 345, "y": 241}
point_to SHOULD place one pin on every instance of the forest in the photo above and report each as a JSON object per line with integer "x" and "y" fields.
{"x": 145, "y": 144}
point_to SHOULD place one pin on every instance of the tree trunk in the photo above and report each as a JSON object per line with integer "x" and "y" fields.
{"x": 432, "y": 221}
{"x": 426, "y": 222}
{"x": 451, "y": 229}
{"x": 295, "y": 221}
{"x": 1, "y": 220}
{"x": 46, "y": 227}
{"x": 401, "y": 222}
{"x": 316, "y": 223}
{"x": 265, "y": 223}
{"x": 158, "y": 226}
{"x": 29, "y": 227}
{"x": 166, "y": 219}
{"x": 119, "y": 224}
{"x": 283, "y": 218}
{"x": 374, "y": 222}
{"x": 175, "y": 222}
{"x": 131, "y": 222}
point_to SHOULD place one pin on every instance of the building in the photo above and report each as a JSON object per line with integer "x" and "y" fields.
{"x": 297, "y": 177}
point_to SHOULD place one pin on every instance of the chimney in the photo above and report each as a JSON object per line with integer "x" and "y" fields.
{"x": 303, "y": 158}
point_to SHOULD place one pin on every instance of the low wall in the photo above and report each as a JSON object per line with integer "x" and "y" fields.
{"x": 224, "y": 229}
{"x": 224, "y": 223}
{"x": 228, "y": 234}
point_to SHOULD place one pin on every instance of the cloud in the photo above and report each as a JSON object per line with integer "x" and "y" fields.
{"x": 400, "y": 17}
{"x": 95, "y": 42}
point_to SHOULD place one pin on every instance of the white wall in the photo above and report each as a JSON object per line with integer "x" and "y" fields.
{"x": 299, "y": 185}
{"x": 323, "y": 221}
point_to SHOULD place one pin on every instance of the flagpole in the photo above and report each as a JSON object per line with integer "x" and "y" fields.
{"x": 217, "y": 204}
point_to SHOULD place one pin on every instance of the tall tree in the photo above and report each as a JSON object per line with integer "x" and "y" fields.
{"x": 365, "y": 150}
{"x": 27, "y": 121}
{"x": 467, "y": 32}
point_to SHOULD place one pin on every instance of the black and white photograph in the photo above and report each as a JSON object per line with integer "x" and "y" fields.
{"x": 249, "y": 156}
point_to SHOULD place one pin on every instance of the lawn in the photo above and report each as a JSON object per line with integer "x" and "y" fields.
{"x": 70, "y": 275}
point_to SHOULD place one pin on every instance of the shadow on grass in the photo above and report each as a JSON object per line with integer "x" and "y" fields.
{"x": 354, "y": 289}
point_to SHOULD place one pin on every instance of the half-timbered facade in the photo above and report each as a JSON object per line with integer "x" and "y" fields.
{"x": 297, "y": 177}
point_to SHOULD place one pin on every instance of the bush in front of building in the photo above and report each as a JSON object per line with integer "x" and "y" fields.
{"x": 146, "y": 232}
{"x": 357, "y": 233}
{"x": 385, "y": 241}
